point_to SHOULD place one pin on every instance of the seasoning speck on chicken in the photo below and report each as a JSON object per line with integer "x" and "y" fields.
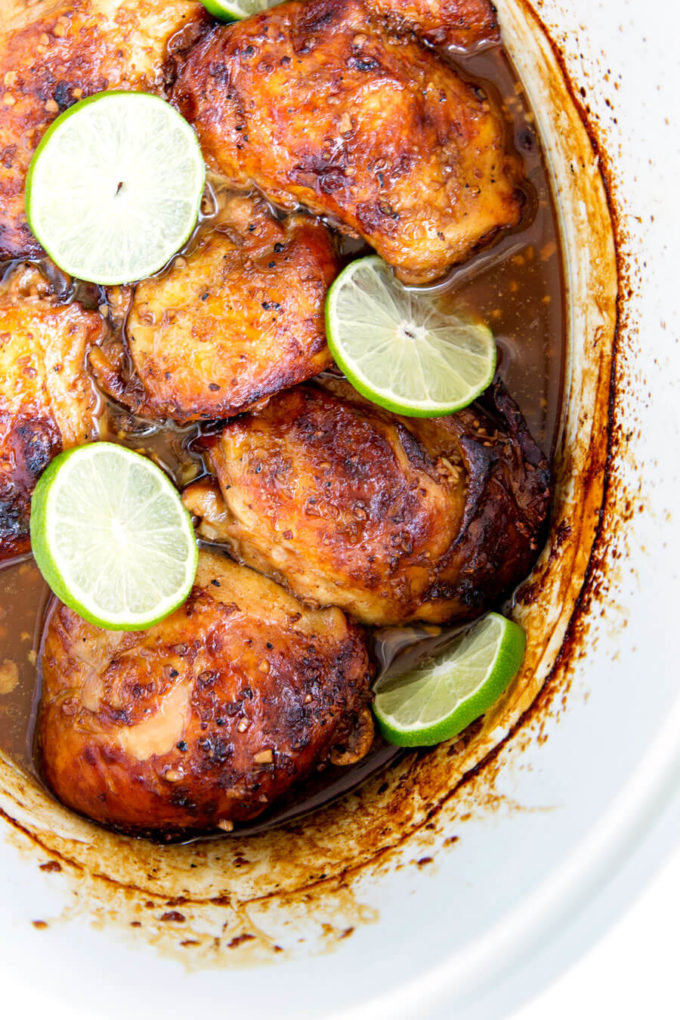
{"x": 145, "y": 731}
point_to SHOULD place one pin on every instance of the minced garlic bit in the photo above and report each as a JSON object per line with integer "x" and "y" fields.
{"x": 9, "y": 676}
{"x": 264, "y": 757}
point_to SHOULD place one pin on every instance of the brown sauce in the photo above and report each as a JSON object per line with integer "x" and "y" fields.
{"x": 516, "y": 286}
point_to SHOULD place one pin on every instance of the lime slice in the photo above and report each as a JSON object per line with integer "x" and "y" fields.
{"x": 111, "y": 537}
{"x": 115, "y": 186}
{"x": 441, "y": 697}
{"x": 398, "y": 348}
{"x": 237, "y": 11}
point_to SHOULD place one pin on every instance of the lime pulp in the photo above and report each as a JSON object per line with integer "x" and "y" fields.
{"x": 400, "y": 349}
{"x": 237, "y": 11}
{"x": 441, "y": 696}
{"x": 111, "y": 537}
{"x": 114, "y": 189}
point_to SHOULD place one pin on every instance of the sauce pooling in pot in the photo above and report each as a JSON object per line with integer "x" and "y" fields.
{"x": 516, "y": 286}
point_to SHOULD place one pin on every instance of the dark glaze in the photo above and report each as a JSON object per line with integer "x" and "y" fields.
{"x": 206, "y": 717}
{"x": 247, "y": 313}
{"x": 516, "y": 286}
{"x": 392, "y": 519}
{"x": 319, "y": 104}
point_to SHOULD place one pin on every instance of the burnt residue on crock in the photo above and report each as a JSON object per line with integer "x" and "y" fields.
{"x": 221, "y": 901}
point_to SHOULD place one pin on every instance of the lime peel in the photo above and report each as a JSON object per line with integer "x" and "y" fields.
{"x": 239, "y": 10}
{"x": 111, "y": 537}
{"x": 440, "y": 698}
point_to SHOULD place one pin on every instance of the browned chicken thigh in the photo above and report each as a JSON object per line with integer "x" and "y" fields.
{"x": 393, "y": 519}
{"x": 204, "y": 719}
{"x": 325, "y": 104}
{"x": 460, "y": 23}
{"x": 47, "y": 402}
{"x": 237, "y": 319}
{"x": 55, "y": 52}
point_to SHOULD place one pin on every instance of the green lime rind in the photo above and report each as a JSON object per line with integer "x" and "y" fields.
{"x": 237, "y": 11}
{"x": 112, "y": 538}
{"x": 223, "y": 12}
{"x": 441, "y": 697}
{"x": 114, "y": 188}
{"x": 399, "y": 349}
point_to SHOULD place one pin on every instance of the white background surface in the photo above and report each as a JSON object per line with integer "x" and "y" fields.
{"x": 634, "y": 970}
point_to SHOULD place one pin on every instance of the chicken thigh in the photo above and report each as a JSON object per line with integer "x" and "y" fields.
{"x": 458, "y": 23}
{"x": 47, "y": 402}
{"x": 206, "y": 718}
{"x": 393, "y": 519}
{"x": 54, "y": 53}
{"x": 325, "y": 104}
{"x": 237, "y": 319}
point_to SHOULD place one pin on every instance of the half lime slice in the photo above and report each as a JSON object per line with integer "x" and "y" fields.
{"x": 439, "y": 698}
{"x": 112, "y": 538}
{"x": 237, "y": 11}
{"x": 400, "y": 349}
{"x": 115, "y": 186}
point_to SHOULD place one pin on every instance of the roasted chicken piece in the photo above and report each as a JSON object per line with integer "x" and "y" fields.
{"x": 239, "y": 318}
{"x": 55, "y": 52}
{"x": 206, "y": 718}
{"x": 393, "y": 519}
{"x": 47, "y": 402}
{"x": 460, "y": 23}
{"x": 325, "y": 104}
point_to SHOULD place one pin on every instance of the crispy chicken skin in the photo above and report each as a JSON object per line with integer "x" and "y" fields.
{"x": 238, "y": 319}
{"x": 47, "y": 402}
{"x": 324, "y": 104}
{"x": 206, "y": 718}
{"x": 53, "y": 53}
{"x": 460, "y": 23}
{"x": 393, "y": 519}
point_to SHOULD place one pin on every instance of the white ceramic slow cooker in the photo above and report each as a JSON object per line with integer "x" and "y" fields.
{"x": 450, "y": 892}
